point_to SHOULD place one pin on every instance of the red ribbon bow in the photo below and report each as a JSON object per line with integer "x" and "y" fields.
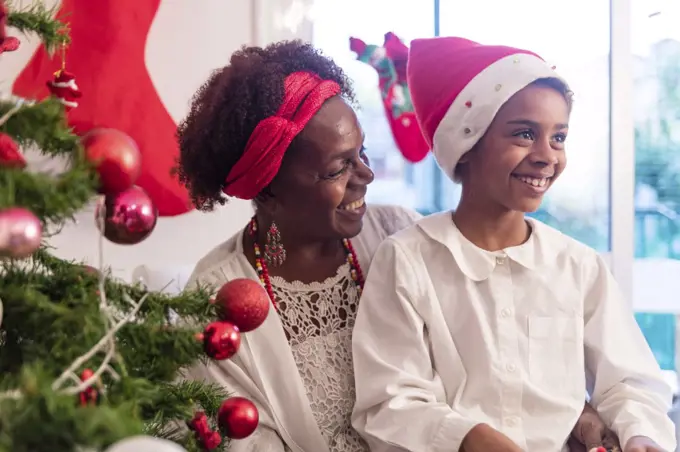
{"x": 305, "y": 93}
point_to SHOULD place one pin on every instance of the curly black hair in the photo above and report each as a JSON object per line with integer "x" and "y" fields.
{"x": 226, "y": 109}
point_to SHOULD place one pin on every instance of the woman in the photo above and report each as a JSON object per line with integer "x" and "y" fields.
{"x": 275, "y": 127}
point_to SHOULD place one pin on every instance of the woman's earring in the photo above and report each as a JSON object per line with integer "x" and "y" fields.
{"x": 274, "y": 252}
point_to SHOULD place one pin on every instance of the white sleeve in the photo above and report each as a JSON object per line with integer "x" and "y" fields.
{"x": 401, "y": 402}
{"x": 264, "y": 438}
{"x": 232, "y": 376}
{"x": 627, "y": 387}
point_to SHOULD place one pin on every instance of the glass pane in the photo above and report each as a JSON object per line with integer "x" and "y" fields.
{"x": 656, "y": 104}
{"x": 578, "y": 203}
{"x": 396, "y": 182}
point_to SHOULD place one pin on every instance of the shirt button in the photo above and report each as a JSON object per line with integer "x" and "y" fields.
{"x": 505, "y": 312}
{"x": 511, "y": 367}
{"x": 511, "y": 421}
{"x": 500, "y": 260}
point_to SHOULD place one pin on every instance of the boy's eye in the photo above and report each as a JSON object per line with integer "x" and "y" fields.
{"x": 525, "y": 134}
{"x": 560, "y": 137}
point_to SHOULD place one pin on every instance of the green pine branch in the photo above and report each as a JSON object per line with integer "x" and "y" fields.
{"x": 42, "y": 125}
{"x": 38, "y": 19}
{"x": 53, "y": 198}
{"x": 52, "y": 316}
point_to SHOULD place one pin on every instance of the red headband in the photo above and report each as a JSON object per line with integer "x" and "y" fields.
{"x": 305, "y": 93}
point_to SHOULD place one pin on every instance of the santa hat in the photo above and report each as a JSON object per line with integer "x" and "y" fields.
{"x": 457, "y": 87}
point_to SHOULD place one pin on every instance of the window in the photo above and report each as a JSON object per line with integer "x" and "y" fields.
{"x": 396, "y": 181}
{"x": 656, "y": 106}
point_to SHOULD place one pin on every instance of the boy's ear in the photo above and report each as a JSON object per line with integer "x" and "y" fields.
{"x": 465, "y": 157}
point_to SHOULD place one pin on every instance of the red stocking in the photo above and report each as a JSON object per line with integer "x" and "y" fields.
{"x": 107, "y": 57}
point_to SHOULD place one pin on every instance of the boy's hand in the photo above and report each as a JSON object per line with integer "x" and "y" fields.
{"x": 642, "y": 444}
{"x": 590, "y": 433}
{"x": 483, "y": 438}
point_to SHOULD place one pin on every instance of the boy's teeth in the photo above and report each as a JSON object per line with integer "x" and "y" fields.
{"x": 533, "y": 181}
{"x": 353, "y": 205}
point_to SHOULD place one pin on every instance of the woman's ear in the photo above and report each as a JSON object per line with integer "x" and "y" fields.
{"x": 266, "y": 201}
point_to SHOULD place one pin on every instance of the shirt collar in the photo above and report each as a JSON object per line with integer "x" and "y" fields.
{"x": 477, "y": 264}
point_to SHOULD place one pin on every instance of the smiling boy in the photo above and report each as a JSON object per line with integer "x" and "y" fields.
{"x": 480, "y": 329}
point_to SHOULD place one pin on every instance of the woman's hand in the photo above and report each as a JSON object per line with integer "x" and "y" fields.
{"x": 483, "y": 438}
{"x": 590, "y": 432}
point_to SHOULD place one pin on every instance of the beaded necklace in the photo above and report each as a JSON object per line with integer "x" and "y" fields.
{"x": 263, "y": 272}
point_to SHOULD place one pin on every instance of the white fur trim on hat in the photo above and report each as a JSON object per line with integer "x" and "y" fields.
{"x": 462, "y": 126}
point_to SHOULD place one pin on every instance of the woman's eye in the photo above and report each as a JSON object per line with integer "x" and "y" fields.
{"x": 364, "y": 157}
{"x": 339, "y": 172}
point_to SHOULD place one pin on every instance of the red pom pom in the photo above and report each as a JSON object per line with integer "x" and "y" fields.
{"x": 244, "y": 303}
{"x": 9, "y": 44}
{"x": 115, "y": 156}
{"x": 207, "y": 438}
{"x": 10, "y": 156}
{"x": 221, "y": 340}
{"x": 238, "y": 417}
{"x": 89, "y": 396}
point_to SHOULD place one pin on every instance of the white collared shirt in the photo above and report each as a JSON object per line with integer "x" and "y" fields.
{"x": 449, "y": 335}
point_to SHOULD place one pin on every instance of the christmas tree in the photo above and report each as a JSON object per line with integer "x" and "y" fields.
{"x": 86, "y": 360}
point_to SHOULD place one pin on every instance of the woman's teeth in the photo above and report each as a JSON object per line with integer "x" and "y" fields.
{"x": 533, "y": 181}
{"x": 353, "y": 205}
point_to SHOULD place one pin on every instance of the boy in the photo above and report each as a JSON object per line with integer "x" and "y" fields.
{"x": 480, "y": 330}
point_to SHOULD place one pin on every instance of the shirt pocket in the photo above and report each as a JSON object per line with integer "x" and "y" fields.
{"x": 556, "y": 354}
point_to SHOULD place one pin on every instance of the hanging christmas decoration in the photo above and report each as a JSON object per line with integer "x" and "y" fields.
{"x": 208, "y": 439}
{"x": 390, "y": 60}
{"x": 116, "y": 158}
{"x": 7, "y": 43}
{"x": 243, "y": 302}
{"x": 107, "y": 53}
{"x": 10, "y": 155}
{"x": 128, "y": 217}
{"x": 20, "y": 233}
{"x": 238, "y": 417}
{"x": 221, "y": 340}
{"x": 64, "y": 88}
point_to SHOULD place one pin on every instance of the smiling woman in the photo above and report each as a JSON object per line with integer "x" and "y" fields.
{"x": 276, "y": 126}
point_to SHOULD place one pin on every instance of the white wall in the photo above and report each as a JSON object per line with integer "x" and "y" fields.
{"x": 187, "y": 40}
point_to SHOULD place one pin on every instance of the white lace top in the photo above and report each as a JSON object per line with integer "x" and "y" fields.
{"x": 318, "y": 319}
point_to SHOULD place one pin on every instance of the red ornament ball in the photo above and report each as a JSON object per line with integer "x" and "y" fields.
{"x": 116, "y": 158}
{"x": 129, "y": 216}
{"x": 20, "y": 233}
{"x": 238, "y": 417}
{"x": 243, "y": 302}
{"x": 221, "y": 340}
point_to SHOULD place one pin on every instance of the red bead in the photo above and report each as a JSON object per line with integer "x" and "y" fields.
{"x": 468, "y": 104}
